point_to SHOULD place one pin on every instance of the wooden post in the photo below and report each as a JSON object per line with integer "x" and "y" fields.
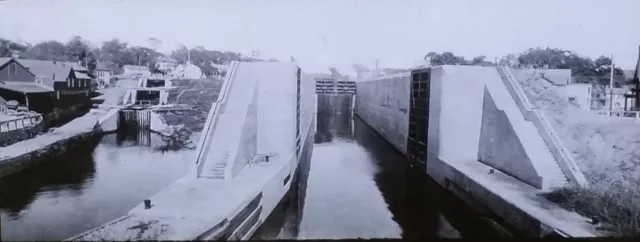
{"x": 26, "y": 100}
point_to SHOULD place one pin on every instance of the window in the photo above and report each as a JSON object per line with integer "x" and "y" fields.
{"x": 13, "y": 69}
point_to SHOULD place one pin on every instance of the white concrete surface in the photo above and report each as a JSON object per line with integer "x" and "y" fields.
{"x": 384, "y": 103}
{"x": 192, "y": 206}
{"x": 562, "y": 156}
{"x": 517, "y": 203}
{"x": 109, "y": 120}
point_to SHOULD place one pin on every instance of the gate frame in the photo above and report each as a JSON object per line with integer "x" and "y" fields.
{"x": 417, "y": 138}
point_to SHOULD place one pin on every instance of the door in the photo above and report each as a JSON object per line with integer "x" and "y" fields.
{"x": 419, "y": 118}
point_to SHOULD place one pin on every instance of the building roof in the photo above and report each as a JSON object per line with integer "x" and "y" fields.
{"x": 166, "y": 59}
{"x": 137, "y": 68}
{"x": 4, "y": 60}
{"x": 50, "y": 71}
{"x": 81, "y": 75}
{"x": 25, "y": 87}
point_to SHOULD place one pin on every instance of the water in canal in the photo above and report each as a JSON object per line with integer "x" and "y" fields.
{"x": 355, "y": 185}
{"x": 358, "y": 186}
{"x": 91, "y": 185}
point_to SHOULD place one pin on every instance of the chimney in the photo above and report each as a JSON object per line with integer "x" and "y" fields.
{"x": 15, "y": 55}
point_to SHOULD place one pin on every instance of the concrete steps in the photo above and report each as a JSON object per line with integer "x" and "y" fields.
{"x": 547, "y": 164}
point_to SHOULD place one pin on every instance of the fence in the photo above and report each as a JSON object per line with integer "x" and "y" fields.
{"x": 335, "y": 87}
{"x": 622, "y": 114}
{"x": 19, "y": 123}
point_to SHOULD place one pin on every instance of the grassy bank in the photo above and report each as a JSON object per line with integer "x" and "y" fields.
{"x": 617, "y": 210}
{"x": 197, "y": 93}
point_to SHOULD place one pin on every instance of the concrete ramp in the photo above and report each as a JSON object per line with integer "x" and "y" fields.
{"x": 562, "y": 157}
{"x": 231, "y": 139}
{"x": 478, "y": 113}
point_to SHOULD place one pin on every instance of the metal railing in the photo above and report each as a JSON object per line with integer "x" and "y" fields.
{"x": 20, "y": 123}
{"x": 212, "y": 117}
{"x": 562, "y": 156}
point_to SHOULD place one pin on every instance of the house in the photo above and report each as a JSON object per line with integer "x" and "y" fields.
{"x": 66, "y": 78}
{"x": 18, "y": 83}
{"x": 166, "y": 64}
{"x": 580, "y": 94}
{"x": 132, "y": 71}
{"x": 187, "y": 71}
{"x": 577, "y": 93}
{"x": 103, "y": 74}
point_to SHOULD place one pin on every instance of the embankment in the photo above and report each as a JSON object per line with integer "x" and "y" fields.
{"x": 24, "y": 154}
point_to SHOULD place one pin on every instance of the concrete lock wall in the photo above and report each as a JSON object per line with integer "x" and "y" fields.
{"x": 383, "y": 103}
{"x": 457, "y": 102}
{"x": 339, "y": 104}
{"x": 461, "y": 107}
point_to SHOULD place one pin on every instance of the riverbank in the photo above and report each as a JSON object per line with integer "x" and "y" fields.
{"x": 605, "y": 149}
{"x": 21, "y": 155}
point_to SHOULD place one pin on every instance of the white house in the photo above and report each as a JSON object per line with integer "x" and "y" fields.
{"x": 103, "y": 74}
{"x": 134, "y": 71}
{"x": 580, "y": 93}
{"x": 166, "y": 63}
{"x": 187, "y": 71}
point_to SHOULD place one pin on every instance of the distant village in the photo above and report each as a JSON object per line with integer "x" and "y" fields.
{"x": 56, "y": 82}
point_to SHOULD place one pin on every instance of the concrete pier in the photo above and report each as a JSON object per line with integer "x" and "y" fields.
{"x": 462, "y": 126}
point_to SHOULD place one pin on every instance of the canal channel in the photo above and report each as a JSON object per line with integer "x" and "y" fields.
{"x": 356, "y": 185}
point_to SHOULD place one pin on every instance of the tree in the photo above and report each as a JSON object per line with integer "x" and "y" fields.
{"x": 446, "y": 58}
{"x": 116, "y": 53}
{"x": 49, "y": 50}
{"x": 583, "y": 68}
{"x": 8, "y": 47}
{"x": 478, "y": 60}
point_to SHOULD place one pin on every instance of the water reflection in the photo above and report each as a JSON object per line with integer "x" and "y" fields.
{"x": 358, "y": 185}
{"x": 68, "y": 172}
{"x": 88, "y": 186}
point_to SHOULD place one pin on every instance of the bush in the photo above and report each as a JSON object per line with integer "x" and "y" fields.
{"x": 617, "y": 209}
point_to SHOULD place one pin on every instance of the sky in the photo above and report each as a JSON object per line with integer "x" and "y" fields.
{"x": 338, "y": 33}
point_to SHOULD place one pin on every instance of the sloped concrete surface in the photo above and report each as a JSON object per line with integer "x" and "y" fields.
{"x": 194, "y": 207}
{"x": 500, "y": 146}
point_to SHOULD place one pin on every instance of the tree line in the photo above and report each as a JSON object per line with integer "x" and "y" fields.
{"x": 115, "y": 54}
{"x": 583, "y": 69}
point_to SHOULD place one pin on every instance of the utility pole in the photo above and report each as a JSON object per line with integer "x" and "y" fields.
{"x": 188, "y": 55}
{"x": 611, "y": 87}
{"x": 636, "y": 80}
